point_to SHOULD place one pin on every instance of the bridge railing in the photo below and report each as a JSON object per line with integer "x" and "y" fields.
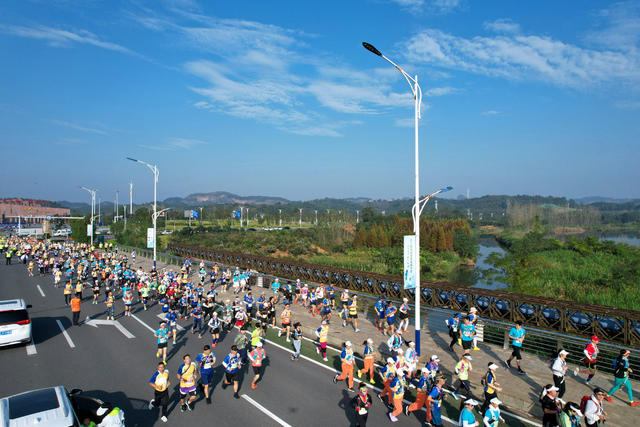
{"x": 541, "y": 340}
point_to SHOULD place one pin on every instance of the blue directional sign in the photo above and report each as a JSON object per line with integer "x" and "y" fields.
{"x": 195, "y": 214}
{"x": 237, "y": 214}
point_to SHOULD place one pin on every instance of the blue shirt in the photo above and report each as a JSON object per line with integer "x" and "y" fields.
{"x": 514, "y": 332}
{"x": 248, "y": 300}
{"x": 231, "y": 363}
{"x": 467, "y": 332}
{"x": 493, "y": 414}
{"x": 436, "y": 395}
{"x": 380, "y": 309}
{"x": 466, "y": 416}
{"x": 391, "y": 312}
{"x": 205, "y": 362}
{"x": 162, "y": 334}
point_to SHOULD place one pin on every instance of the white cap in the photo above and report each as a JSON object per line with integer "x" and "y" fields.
{"x": 369, "y": 340}
{"x": 399, "y": 351}
{"x": 405, "y": 299}
{"x": 389, "y": 360}
{"x": 493, "y": 366}
{"x": 576, "y": 410}
{"x": 563, "y": 352}
{"x": 412, "y": 344}
{"x": 400, "y": 371}
{"x": 259, "y": 344}
{"x": 424, "y": 369}
{"x": 434, "y": 357}
{"x": 473, "y": 310}
{"x": 496, "y": 401}
{"x": 471, "y": 402}
{"x": 324, "y": 322}
{"x": 468, "y": 357}
{"x": 552, "y": 388}
{"x": 347, "y": 343}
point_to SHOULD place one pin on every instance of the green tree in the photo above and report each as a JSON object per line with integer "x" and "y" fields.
{"x": 464, "y": 244}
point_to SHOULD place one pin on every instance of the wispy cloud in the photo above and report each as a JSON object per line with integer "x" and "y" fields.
{"x": 62, "y": 38}
{"x": 502, "y": 26}
{"x": 79, "y": 127}
{"x": 174, "y": 144}
{"x": 618, "y": 26}
{"x": 525, "y": 57}
{"x": 490, "y": 113}
{"x": 432, "y": 6}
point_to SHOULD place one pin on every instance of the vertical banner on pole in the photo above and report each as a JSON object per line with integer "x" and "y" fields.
{"x": 150, "y": 238}
{"x": 89, "y": 230}
{"x": 409, "y": 262}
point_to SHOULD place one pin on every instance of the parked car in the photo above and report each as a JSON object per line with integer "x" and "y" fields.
{"x": 54, "y": 407}
{"x": 15, "y": 324}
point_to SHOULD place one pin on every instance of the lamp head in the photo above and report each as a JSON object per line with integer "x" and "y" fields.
{"x": 371, "y": 48}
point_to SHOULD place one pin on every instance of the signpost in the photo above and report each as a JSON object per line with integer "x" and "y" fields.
{"x": 409, "y": 262}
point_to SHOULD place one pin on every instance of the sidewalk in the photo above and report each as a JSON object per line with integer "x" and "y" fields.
{"x": 520, "y": 392}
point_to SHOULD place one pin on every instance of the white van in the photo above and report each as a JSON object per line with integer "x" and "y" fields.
{"x": 15, "y": 324}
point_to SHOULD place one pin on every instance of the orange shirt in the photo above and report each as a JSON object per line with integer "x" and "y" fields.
{"x": 75, "y": 304}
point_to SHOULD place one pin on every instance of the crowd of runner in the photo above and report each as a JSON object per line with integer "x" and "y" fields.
{"x": 217, "y": 299}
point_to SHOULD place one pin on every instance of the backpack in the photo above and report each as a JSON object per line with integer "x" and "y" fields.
{"x": 583, "y": 403}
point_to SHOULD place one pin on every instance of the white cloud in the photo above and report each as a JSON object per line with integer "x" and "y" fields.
{"x": 490, "y": 113}
{"x": 525, "y": 57}
{"x": 618, "y": 26}
{"x": 434, "y": 6}
{"x": 502, "y": 26}
{"x": 175, "y": 144}
{"x": 440, "y": 91}
{"x": 79, "y": 127}
{"x": 62, "y": 38}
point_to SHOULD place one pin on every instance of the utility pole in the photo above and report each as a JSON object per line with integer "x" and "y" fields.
{"x": 201, "y": 222}
{"x": 357, "y": 217}
{"x": 300, "y": 217}
{"x": 130, "y": 198}
{"x": 115, "y": 218}
{"x": 316, "y": 217}
{"x": 280, "y": 216}
{"x": 436, "y": 205}
{"x": 99, "y": 204}
{"x": 125, "y": 216}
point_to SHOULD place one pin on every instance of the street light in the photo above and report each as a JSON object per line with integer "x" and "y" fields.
{"x": 300, "y": 217}
{"x": 155, "y": 171}
{"x": 417, "y": 100}
{"x": 93, "y": 208}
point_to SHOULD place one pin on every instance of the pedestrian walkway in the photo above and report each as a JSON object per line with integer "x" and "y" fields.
{"x": 520, "y": 392}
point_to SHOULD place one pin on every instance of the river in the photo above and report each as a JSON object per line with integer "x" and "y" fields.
{"x": 487, "y": 245}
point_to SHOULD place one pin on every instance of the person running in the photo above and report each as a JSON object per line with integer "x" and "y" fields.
{"x": 297, "y": 340}
{"x": 411, "y": 361}
{"x": 344, "y": 301}
{"x": 232, "y": 365}
{"x": 160, "y": 383}
{"x": 346, "y": 357}
{"x": 172, "y": 319}
{"x": 241, "y": 342}
{"x": 570, "y": 416}
{"x": 322, "y": 333}
{"x": 591, "y": 358}
{"x": 325, "y": 308}
{"x": 467, "y": 332}
{"x": 369, "y": 357}
{"x": 390, "y": 319}
{"x": 467, "y": 418}
{"x": 594, "y": 413}
{"x": 473, "y": 315}
{"x": 163, "y": 336}
{"x": 96, "y": 291}
{"x": 257, "y": 356}
{"x": 387, "y": 373}
{"x": 206, "y": 360}
{"x": 397, "y": 387}
{"x": 275, "y": 288}
{"x": 453, "y": 325}
{"x": 421, "y": 394}
{"x": 550, "y": 406}
{"x": 67, "y": 291}
{"x": 187, "y": 373}
{"x": 285, "y": 318}
{"x": 362, "y": 402}
{"x": 559, "y": 370}
{"x": 517, "y": 335}
{"x": 403, "y": 314}
{"x": 214, "y": 329}
{"x": 127, "y": 297}
{"x": 491, "y": 386}
{"x": 395, "y": 342}
{"x": 109, "y": 302}
{"x": 462, "y": 369}
{"x": 196, "y": 313}
{"x": 621, "y": 376}
{"x": 435, "y": 398}
{"x": 380, "y": 309}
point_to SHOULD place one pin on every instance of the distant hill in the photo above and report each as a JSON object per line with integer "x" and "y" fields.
{"x": 225, "y": 198}
{"x": 598, "y": 199}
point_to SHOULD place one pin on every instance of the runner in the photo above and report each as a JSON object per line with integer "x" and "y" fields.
{"x": 275, "y": 288}
{"x": 206, "y": 360}
{"x": 492, "y": 415}
{"x": 453, "y": 325}
{"x": 362, "y": 402}
{"x": 621, "y": 376}
{"x": 550, "y": 406}
{"x": 214, "y": 328}
{"x": 387, "y": 373}
{"x": 322, "y": 333}
{"x": 404, "y": 316}
{"x": 473, "y": 315}
{"x": 591, "y": 358}
{"x": 257, "y": 356}
{"x": 559, "y": 370}
{"x": 163, "y": 336}
{"x": 467, "y": 419}
{"x": 346, "y": 357}
{"x": 127, "y": 297}
{"x": 411, "y": 361}
{"x": 96, "y": 291}
{"x": 421, "y": 394}
{"x": 232, "y": 366}
{"x": 390, "y": 319}
{"x": 380, "y": 309}
{"x": 517, "y": 335}
{"x": 435, "y": 398}
{"x": 196, "y": 313}
{"x": 491, "y": 386}
{"x": 353, "y": 313}
{"x": 160, "y": 383}
{"x": 109, "y": 301}
{"x": 285, "y": 317}
{"x": 592, "y": 407}
{"x": 241, "y": 343}
{"x": 187, "y": 373}
{"x": 467, "y": 332}
{"x": 172, "y": 318}
{"x": 397, "y": 387}
{"x": 297, "y": 340}
{"x": 369, "y": 357}
{"x": 463, "y": 368}
{"x": 68, "y": 289}
{"x": 326, "y": 308}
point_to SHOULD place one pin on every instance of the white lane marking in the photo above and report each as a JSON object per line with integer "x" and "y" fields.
{"x": 143, "y": 324}
{"x": 40, "y": 289}
{"x": 270, "y": 414}
{"x": 180, "y": 328}
{"x": 31, "y": 348}
{"x": 66, "y": 335}
{"x": 95, "y": 322}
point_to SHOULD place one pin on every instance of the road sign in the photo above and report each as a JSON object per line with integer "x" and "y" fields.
{"x": 237, "y": 214}
{"x": 195, "y": 214}
{"x": 410, "y": 262}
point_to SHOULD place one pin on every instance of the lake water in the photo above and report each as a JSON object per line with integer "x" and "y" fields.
{"x": 473, "y": 276}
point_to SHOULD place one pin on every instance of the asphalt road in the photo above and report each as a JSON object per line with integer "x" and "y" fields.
{"x": 106, "y": 364}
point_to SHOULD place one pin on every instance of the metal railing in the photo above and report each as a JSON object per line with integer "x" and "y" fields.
{"x": 541, "y": 342}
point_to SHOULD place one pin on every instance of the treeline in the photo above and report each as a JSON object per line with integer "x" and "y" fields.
{"x": 435, "y": 235}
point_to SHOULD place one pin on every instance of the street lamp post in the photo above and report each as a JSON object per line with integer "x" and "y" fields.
{"x": 300, "y": 218}
{"x": 115, "y": 219}
{"x": 417, "y": 100}
{"x": 154, "y": 169}
{"x": 93, "y": 208}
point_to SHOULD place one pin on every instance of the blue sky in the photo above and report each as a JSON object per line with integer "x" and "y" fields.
{"x": 280, "y": 98}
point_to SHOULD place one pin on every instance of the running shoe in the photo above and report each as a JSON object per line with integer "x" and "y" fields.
{"x": 359, "y": 374}
{"x": 455, "y": 395}
{"x": 634, "y": 403}
{"x": 335, "y": 379}
{"x": 608, "y": 398}
{"x": 372, "y": 381}
{"x": 406, "y": 410}
{"x": 236, "y": 395}
{"x": 325, "y": 359}
{"x": 189, "y": 407}
{"x": 151, "y": 404}
{"x": 164, "y": 419}
{"x": 508, "y": 363}
{"x": 521, "y": 372}
{"x": 183, "y": 408}
{"x": 350, "y": 389}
